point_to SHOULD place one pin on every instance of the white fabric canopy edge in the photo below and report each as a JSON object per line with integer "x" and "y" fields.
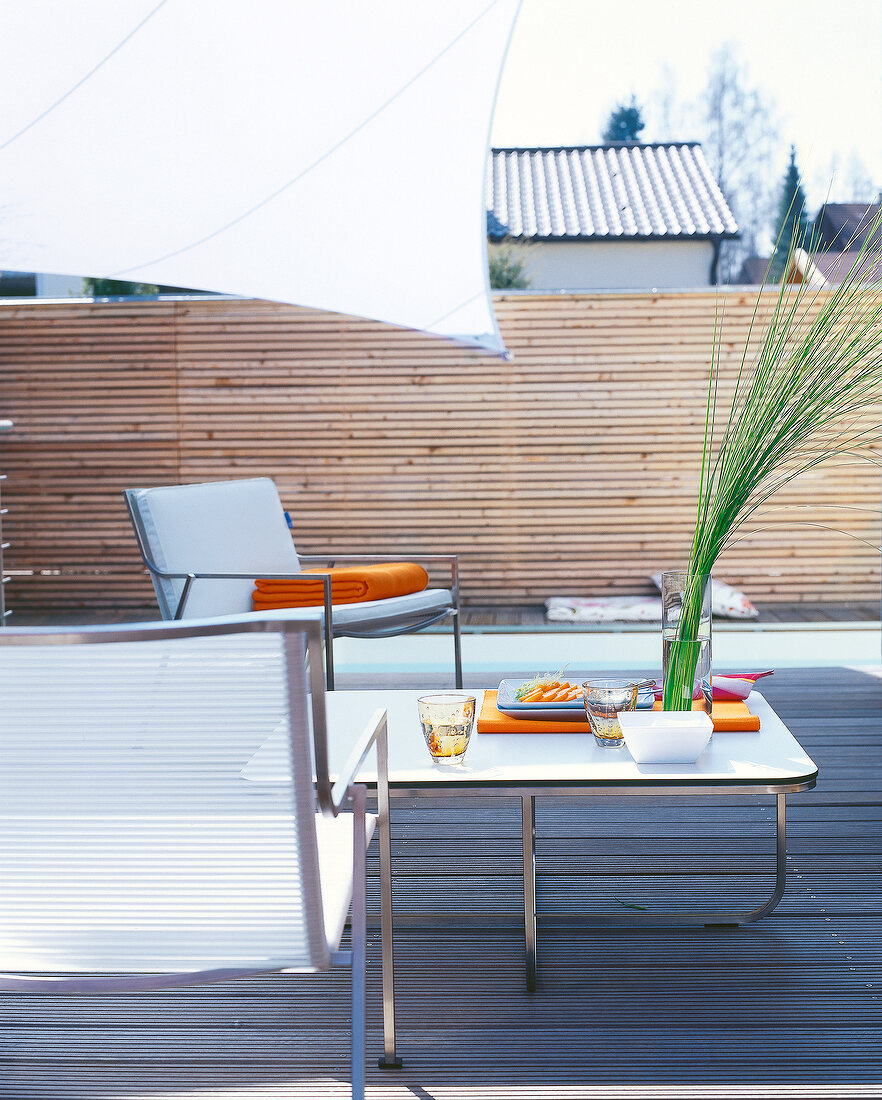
{"x": 379, "y": 217}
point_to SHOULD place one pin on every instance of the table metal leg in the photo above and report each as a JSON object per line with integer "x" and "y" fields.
{"x": 528, "y": 818}
{"x": 780, "y": 873}
{"x": 389, "y": 1059}
{"x": 651, "y": 918}
{"x": 780, "y": 862}
{"x": 658, "y": 918}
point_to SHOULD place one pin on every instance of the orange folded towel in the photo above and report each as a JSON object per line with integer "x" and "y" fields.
{"x": 727, "y": 717}
{"x": 349, "y": 584}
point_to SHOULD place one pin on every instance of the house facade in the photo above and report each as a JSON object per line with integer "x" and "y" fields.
{"x": 836, "y": 237}
{"x": 619, "y": 216}
{"x": 840, "y": 232}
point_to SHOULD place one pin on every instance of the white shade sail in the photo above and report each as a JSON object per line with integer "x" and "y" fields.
{"x": 332, "y": 155}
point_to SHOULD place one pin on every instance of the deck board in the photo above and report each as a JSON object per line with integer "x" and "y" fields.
{"x": 790, "y": 1006}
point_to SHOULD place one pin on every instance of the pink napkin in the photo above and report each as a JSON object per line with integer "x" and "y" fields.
{"x": 731, "y": 685}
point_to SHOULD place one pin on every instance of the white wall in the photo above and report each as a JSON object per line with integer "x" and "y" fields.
{"x": 621, "y": 265}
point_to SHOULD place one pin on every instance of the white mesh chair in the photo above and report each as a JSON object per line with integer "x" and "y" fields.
{"x": 133, "y": 855}
{"x": 205, "y": 544}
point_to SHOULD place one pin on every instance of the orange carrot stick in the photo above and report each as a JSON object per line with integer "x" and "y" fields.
{"x": 553, "y": 691}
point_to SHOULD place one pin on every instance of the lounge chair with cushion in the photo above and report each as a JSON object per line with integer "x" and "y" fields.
{"x": 206, "y": 544}
{"x": 134, "y": 856}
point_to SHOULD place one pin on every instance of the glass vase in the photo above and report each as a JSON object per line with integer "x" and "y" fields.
{"x": 686, "y": 641}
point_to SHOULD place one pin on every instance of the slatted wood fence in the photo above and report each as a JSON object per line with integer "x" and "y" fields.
{"x": 570, "y": 470}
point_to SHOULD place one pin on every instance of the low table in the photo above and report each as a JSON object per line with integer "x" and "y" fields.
{"x": 525, "y": 765}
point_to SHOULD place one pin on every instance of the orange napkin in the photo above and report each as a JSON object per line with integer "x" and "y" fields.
{"x": 727, "y": 717}
{"x": 349, "y": 584}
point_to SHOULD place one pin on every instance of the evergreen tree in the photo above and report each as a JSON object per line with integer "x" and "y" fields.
{"x": 118, "y": 288}
{"x": 792, "y": 219}
{"x": 624, "y": 123}
{"x": 507, "y": 267}
{"x": 121, "y": 288}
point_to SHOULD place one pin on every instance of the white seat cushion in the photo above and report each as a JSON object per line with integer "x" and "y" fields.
{"x": 366, "y": 618}
{"x": 379, "y": 614}
{"x": 334, "y": 839}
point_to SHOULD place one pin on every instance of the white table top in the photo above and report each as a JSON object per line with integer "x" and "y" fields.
{"x": 768, "y": 759}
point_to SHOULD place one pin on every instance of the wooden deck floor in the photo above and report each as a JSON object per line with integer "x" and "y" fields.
{"x": 791, "y": 1006}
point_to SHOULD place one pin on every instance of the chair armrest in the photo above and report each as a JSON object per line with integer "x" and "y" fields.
{"x": 375, "y": 732}
{"x": 188, "y": 578}
{"x": 251, "y": 575}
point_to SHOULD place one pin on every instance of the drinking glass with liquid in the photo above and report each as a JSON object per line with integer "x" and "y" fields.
{"x": 447, "y": 720}
{"x": 604, "y": 699}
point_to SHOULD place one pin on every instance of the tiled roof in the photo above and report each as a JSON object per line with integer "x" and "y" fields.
{"x": 842, "y": 225}
{"x": 831, "y": 268}
{"x": 617, "y": 191}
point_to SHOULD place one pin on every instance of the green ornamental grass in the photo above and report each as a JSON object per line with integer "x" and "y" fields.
{"x": 799, "y": 398}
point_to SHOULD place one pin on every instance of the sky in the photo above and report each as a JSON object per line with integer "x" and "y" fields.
{"x": 819, "y": 64}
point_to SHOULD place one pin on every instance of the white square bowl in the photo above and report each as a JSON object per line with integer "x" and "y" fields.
{"x": 666, "y": 737}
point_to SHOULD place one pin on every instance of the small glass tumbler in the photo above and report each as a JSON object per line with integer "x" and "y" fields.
{"x": 447, "y": 722}
{"x": 603, "y": 701}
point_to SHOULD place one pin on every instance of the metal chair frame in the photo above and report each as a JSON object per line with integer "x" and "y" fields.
{"x": 330, "y": 630}
{"x": 331, "y": 799}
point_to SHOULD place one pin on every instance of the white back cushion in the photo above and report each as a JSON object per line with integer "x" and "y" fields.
{"x": 218, "y": 527}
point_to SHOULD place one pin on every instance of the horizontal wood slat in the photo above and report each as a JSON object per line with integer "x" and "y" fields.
{"x": 570, "y": 470}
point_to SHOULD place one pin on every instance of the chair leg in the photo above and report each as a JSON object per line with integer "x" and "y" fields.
{"x": 358, "y": 923}
{"x": 329, "y": 656}
{"x": 457, "y": 649}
